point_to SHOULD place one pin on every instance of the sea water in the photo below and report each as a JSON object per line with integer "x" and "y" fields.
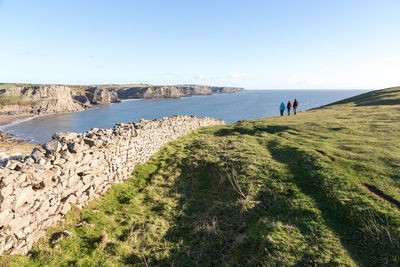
{"x": 245, "y": 105}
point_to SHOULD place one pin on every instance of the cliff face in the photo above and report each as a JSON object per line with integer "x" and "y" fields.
{"x": 41, "y": 99}
{"x": 101, "y": 96}
{"x": 157, "y": 92}
{"x": 37, "y": 99}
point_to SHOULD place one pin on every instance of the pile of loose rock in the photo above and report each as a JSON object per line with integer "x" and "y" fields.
{"x": 35, "y": 192}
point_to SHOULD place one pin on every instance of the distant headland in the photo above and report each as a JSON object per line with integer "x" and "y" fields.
{"x": 18, "y": 101}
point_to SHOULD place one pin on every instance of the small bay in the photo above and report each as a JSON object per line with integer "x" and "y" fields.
{"x": 245, "y": 105}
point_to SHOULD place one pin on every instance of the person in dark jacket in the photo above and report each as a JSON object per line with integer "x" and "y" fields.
{"x": 282, "y": 108}
{"x": 288, "y": 106}
{"x": 295, "y": 105}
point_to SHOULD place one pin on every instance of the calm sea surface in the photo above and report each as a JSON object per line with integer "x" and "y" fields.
{"x": 229, "y": 107}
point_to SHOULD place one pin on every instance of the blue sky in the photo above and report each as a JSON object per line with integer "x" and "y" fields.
{"x": 254, "y": 44}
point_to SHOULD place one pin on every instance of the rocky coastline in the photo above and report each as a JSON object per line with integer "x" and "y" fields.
{"x": 21, "y": 100}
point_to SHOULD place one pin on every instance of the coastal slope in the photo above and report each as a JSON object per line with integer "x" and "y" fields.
{"x": 318, "y": 188}
{"x": 36, "y": 99}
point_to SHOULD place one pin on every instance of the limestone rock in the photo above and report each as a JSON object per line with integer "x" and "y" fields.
{"x": 83, "y": 99}
{"x": 154, "y": 92}
{"x": 64, "y": 136}
{"x": 37, "y": 155}
{"x": 22, "y": 196}
{"x": 6, "y": 191}
{"x": 75, "y": 147}
{"x": 29, "y": 160}
{"x": 40, "y": 99}
{"x": 52, "y": 147}
{"x": 102, "y": 96}
{"x": 90, "y": 142}
{"x": 77, "y": 168}
{"x": 18, "y": 223}
{"x": 5, "y": 217}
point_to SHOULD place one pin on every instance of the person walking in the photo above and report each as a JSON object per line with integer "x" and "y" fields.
{"x": 288, "y": 106}
{"x": 282, "y": 108}
{"x": 295, "y": 105}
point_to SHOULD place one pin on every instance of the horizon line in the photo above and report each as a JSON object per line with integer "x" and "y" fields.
{"x": 191, "y": 84}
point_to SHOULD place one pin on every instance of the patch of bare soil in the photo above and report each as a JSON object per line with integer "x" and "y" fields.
{"x": 322, "y": 153}
{"x": 378, "y": 193}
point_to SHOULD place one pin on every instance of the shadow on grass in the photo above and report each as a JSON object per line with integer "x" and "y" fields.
{"x": 388, "y": 97}
{"x": 133, "y": 260}
{"x": 251, "y": 129}
{"x": 211, "y": 228}
{"x": 365, "y": 232}
{"x": 214, "y": 230}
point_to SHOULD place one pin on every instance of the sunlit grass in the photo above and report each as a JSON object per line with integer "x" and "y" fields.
{"x": 12, "y": 147}
{"x": 275, "y": 191}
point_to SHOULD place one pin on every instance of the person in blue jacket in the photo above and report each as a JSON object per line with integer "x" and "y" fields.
{"x": 282, "y": 108}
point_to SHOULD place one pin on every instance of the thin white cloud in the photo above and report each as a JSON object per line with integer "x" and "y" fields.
{"x": 202, "y": 76}
{"x": 236, "y": 74}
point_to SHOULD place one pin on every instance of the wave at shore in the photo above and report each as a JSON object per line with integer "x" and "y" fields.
{"x": 7, "y": 121}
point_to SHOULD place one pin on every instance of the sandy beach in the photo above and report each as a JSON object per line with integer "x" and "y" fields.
{"x": 7, "y": 144}
{"x": 7, "y": 119}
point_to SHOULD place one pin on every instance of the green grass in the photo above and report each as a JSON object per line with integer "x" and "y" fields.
{"x": 15, "y": 99}
{"x": 11, "y": 100}
{"x": 277, "y": 191}
{"x": 10, "y": 85}
{"x": 12, "y": 147}
{"x": 6, "y": 85}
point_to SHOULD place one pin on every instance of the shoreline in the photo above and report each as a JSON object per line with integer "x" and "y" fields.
{"x": 6, "y": 120}
{"x": 9, "y": 144}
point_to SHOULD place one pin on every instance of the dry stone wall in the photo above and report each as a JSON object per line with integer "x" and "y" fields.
{"x": 38, "y": 191}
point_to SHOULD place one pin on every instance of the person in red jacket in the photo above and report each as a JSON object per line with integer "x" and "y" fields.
{"x": 288, "y": 106}
{"x": 295, "y": 105}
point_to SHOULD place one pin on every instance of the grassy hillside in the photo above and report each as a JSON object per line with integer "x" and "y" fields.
{"x": 321, "y": 187}
{"x": 10, "y": 85}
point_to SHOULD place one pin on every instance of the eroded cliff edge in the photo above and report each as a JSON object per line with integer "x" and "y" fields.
{"x": 176, "y": 91}
{"x": 24, "y": 99}
{"x": 37, "y": 99}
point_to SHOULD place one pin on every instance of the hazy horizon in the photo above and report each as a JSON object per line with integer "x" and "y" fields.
{"x": 134, "y": 84}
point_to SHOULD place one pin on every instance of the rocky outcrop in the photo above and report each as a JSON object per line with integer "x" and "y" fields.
{"x": 42, "y": 99}
{"x": 38, "y": 191}
{"x": 101, "y": 96}
{"x": 37, "y": 99}
{"x": 83, "y": 99}
{"x": 159, "y": 92}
